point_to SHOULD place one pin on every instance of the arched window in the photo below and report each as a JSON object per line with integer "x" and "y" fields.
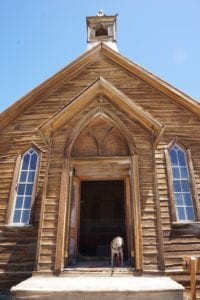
{"x": 181, "y": 185}
{"x": 25, "y": 187}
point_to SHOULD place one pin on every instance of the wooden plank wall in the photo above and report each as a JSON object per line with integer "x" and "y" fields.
{"x": 17, "y": 244}
{"x": 178, "y": 122}
{"x": 144, "y": 144}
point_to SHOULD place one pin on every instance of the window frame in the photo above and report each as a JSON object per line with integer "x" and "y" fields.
{"x": 14, "y": 185}
{"x": 192, "y": 183}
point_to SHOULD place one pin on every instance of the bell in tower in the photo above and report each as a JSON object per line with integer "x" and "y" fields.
{"x": 101, "y": 29}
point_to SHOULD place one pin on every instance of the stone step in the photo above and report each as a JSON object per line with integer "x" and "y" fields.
{"x": 96, "y": 288}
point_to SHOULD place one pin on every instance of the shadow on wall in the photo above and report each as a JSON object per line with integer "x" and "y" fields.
{"x": 17, "y": 256}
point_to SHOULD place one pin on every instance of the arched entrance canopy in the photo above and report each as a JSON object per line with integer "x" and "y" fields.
{"x": 98, "y": 90}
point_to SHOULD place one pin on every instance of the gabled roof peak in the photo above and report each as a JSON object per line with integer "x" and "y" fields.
{"x": 79, "y": 64}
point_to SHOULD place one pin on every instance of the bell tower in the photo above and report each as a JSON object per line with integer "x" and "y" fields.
{"x": 101, "y": 29}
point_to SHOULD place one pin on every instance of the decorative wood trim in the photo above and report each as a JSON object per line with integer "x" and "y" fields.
{"x": 129, "y": 221}
{"x": 86, "y": 160}
{"x": 44, "y": 191}
{"x": 60, "y": 241}
{"x": 136, "y": 213}
{"x": 77, "y": 196}
{"x": 34, "y": 196}
{"x": 177, "y": 141}
{"x": 74, "y": 225}
{"x": 33, "y": 145}
{"x": 191, "y": 181}
{"x": 11, "y": 201}
{"x": 158, "y": 136}
{"x": 88, "y": 118}
{"x": 193, "y": 185}
{"x": 116, "y": 97}
{"x": 170, "y": 186}
{"x": 74, "y": 165}
{"x": 68, "y": 213}
{"x": 13, "y": 191}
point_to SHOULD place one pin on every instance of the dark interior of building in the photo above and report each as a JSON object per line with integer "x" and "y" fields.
{"x": 102, "y": 217}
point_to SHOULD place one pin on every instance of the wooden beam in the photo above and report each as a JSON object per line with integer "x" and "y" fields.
{"x": 193, "y": 273}
{"x": 158, "y": 136}
{"x": 136, "y": 213}
{"x": 170, "y": 186}
{"x": 61, "y": 228}
{"x": 68, "y": 211}
{"x": 193, "y": 185}
{"x": 192, "y": 263}
{"x": 9, "y": 214}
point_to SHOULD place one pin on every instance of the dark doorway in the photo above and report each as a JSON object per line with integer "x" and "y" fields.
{"x": 102, "y": 217}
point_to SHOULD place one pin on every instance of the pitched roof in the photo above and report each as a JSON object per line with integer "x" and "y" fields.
{"x": 79, "y": 64}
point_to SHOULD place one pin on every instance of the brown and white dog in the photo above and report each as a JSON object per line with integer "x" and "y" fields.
{"x": 117, "y": 249}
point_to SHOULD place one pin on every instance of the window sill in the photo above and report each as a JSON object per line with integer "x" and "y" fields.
{"x": 185, "y": 223}
{"x": 185, "y": 228}
{"x": 18, "y": 227}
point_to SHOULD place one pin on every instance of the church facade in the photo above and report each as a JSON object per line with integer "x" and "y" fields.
{"x": 101, "y": 149}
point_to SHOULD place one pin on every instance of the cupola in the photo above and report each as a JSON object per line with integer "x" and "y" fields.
{"x": 101, "y": 29}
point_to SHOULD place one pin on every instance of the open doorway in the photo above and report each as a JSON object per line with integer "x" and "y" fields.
{"x": 102, "y": 217}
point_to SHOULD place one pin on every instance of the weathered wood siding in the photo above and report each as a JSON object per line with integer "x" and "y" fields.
{"x": 23, "y": 130}
{"x": 17, "y": 244}
{"x": 144, "y": 146}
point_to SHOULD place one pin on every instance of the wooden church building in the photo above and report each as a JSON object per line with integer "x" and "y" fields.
{"x": 101, "y": 149}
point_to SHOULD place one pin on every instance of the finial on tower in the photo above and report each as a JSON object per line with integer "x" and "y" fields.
{"x": 101, "y": 29}
{"x": 100, "y": 13}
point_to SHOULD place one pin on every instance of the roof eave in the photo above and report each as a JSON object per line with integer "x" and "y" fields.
{"x": 176, "y": 95}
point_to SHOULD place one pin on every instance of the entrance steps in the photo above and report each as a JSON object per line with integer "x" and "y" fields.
{"x": 99, "y": 272}
{"x": 92, "y": 287}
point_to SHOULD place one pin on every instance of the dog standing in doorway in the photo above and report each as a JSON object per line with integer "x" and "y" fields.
{"x": 117, "y": 249}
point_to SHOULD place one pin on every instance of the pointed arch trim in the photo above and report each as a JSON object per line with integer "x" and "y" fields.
{"x": 178, "y": 142}
{"x": 181, "y": 182}
{"x": 92, "y": 115}
{"x": 118, "y": 99}
{"x": 23, "y": 187}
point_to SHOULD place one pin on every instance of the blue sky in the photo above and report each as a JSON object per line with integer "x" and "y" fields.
{"x": 39, "y": 37}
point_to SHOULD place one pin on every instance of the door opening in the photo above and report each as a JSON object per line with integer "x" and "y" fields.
{"x": 102, "y": 217}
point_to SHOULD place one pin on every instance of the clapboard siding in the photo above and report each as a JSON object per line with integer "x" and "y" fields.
{"x": 18, "y": 253}
{"x": 18, "y": 244}
{"x": 177, "y": 242}
{"x": 144, "y": 94}
{"x": 144, "y": 143}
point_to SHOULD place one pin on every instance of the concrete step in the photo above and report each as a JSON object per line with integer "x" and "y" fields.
{"x": 105, "y": 272}
{"x": 96, "y": 288}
